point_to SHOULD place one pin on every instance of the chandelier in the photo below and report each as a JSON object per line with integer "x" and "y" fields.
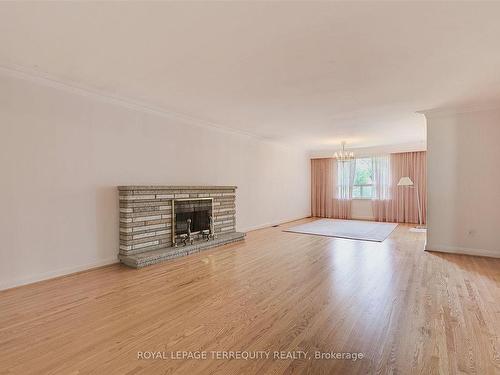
{"x": 343, "y": 155}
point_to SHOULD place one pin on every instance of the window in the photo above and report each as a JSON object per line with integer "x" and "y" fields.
{"x": 363, "y": 179}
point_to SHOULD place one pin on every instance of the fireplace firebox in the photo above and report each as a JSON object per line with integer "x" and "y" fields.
{"x": 191, "y": 216}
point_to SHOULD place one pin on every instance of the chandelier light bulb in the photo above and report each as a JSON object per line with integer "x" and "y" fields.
{"x": 343, "y": 155}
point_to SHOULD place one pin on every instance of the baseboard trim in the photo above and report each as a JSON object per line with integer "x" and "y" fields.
{"x": 105, "y": 262}
{"x": 462, "y": 250}
{"x": 58, "y": 273}
{"x": 267, "y": 225}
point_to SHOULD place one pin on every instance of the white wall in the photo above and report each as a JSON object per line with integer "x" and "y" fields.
{"x": 63, "y": 152}
{"x": 463, "y": 159}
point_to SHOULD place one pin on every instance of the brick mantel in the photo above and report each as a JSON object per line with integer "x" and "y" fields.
{"x": 146, "y": 214}
{"x": 169, "y": 187}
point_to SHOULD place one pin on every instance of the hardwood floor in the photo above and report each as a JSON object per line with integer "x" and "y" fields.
{"x": 408, "y": 311}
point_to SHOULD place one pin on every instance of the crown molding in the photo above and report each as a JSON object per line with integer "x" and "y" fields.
{"x": 47, "y": 80}
{"x": 449, "y": 111}
{"x": 375, "y": 150}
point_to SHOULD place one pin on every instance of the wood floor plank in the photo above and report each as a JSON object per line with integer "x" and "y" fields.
{"x": 408, "y": 311}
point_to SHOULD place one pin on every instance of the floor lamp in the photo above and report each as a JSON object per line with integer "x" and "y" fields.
{"x": 406, "y": 181}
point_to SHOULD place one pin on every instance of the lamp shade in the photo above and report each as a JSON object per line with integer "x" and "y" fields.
{"x": 405, "y": 181}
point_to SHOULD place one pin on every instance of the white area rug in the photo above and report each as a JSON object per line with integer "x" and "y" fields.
{"x": 353, "y": 229}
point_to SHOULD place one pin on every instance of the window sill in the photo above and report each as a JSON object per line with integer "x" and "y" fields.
{"x": 362, "y": 199}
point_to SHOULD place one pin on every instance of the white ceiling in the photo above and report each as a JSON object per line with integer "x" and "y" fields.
{"x": 308, "y": 73}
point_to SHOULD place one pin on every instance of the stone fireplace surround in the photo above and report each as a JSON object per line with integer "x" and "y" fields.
{"x": 146, "y": 221}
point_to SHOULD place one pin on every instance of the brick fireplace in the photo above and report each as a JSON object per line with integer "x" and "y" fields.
{"x": 150, "y": 233}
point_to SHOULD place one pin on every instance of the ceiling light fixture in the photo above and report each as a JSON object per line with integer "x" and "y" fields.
{"x": 343, "y": 155}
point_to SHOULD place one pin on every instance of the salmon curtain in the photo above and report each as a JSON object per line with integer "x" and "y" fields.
{"x": 322, "y": 187}
{"x": 401, "y": 204}
{"x": 331, "y": 197}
